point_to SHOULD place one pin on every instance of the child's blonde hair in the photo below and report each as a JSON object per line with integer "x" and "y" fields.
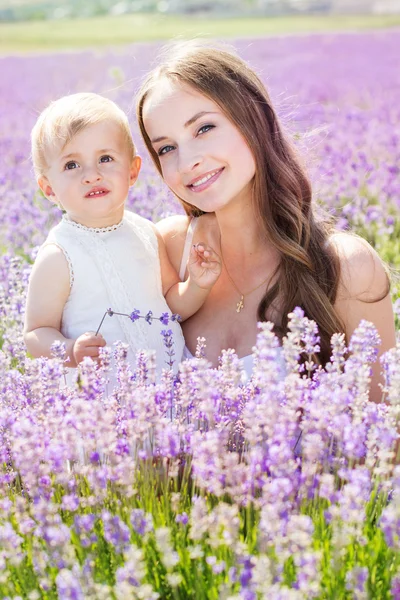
{"x": 66, "y": 117}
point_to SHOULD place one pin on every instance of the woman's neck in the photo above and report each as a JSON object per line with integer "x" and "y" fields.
{"x": 242, "y": 236}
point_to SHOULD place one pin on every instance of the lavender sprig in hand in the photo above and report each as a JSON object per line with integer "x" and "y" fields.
{"x": 165, "y": 319}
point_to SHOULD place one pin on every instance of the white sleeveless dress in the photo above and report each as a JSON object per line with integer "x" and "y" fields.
{"x": 246, "y": 361}
{"x": 115, "y": 267}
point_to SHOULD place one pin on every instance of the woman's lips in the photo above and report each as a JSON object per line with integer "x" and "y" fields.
{"x": 204, "y": 182}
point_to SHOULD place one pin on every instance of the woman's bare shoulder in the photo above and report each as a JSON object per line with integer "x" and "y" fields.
{"x": 363, "y": 273}
{"x": 174, "y": 229}
{"x": 176, "y": 225}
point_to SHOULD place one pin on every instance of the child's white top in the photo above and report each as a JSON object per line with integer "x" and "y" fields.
{"x": 115, "y": 267}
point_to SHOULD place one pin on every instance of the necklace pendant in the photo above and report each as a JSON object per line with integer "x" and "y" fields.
{"x": 240, "y": 304}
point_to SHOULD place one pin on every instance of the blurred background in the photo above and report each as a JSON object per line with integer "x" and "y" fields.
{"x": 27, "y": 25}
{"x": 17, "y": 10}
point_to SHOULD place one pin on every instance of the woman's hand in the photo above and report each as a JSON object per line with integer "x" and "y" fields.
{"x": 204, "y": 265}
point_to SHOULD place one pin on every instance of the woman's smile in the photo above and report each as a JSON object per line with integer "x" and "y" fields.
{"x": 203, "y": 182}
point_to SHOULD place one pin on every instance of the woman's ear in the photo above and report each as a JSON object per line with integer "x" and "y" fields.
{"x": 134, "y": 170}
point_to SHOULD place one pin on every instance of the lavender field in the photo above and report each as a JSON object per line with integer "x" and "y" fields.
{"x": 205, "y": 486}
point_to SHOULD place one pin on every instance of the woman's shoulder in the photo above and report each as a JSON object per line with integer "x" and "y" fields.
{"x": 176, "y": 225}
{"x": 363, "y": 274}
{"x": 174, "y": 229}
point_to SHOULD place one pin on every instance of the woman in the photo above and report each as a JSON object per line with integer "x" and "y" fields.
{"x": 208, "y": 123}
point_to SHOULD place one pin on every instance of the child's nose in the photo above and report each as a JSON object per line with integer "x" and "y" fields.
{"x": 91, "y": 175}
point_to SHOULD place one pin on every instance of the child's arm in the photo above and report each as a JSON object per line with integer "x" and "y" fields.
{"x": 186, "y": 297}
{"x": 48, "y": 292}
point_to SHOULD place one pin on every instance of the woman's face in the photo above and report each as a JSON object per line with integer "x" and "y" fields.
{"x": 204, "y": 158}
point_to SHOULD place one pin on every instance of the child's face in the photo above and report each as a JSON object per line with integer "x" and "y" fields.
{"x": 90, "y": 177}
{"x": 204, "y": 158}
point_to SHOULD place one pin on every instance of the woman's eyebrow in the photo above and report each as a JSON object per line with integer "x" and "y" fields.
{"x": 192, "y": 120}
{"x": 197, "y": 116}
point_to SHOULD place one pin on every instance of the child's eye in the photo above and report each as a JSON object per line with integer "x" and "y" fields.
{"x": 106, "y": 158}
{"x": 165, "y": 150}
{"x": 205, "y": 128}
{"x": 70, "y": 165}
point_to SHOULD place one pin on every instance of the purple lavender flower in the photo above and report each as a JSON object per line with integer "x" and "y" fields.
{"x": 58, "y": 350}
{"x": 356, "y": 581}
{"x": 135, "y": 315}
{"x": 70, "y": 502}
{"x": 395, "y": 587}
{"x": 168, "y": 341}
{"x": 183, "y": 518}
{"x": 165, "y": 318}
{"x": 141, "y": 522}
{"x": 245, "y": 576}
{"x": 84, "y": 523}
{"x": 116, "y": 532}
{"x": 68, "y": 586}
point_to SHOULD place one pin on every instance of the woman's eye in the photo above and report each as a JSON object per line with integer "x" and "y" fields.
{"x": 71, "y": 165}
{"x": 205, "y": 128}
{"x": 106, "y": 158}
{"x": 164, "y": 150}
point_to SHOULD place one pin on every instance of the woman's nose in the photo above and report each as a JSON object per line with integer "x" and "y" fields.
{"x": 188, "y": 161}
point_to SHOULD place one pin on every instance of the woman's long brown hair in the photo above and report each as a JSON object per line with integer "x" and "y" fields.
{"x": 309, "y": 270}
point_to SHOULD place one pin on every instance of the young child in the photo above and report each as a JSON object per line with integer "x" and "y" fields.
{"x": 100, "y": 256}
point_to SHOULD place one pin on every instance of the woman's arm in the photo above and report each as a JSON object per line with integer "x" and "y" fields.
{"x": 363, "y": 294}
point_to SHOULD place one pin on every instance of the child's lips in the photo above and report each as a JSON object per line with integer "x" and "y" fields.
{"x": 96, "y": 192}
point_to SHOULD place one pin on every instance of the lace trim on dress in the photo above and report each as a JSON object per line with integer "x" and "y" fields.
{"x": 93, "y": 229}
{"x": 67, "y": 258}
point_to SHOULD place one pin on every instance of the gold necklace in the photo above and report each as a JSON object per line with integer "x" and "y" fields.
{"x": 240, "y": 304}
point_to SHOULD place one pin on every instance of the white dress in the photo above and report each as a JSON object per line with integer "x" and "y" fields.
{"x": 115, "y": 267}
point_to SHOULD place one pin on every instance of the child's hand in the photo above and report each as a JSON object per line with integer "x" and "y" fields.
{"x": 87, "y": 344}
{"x": 204, "y": 265}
